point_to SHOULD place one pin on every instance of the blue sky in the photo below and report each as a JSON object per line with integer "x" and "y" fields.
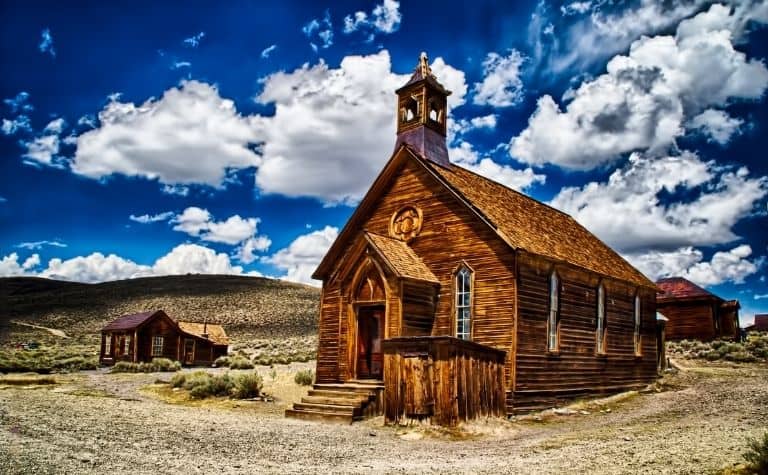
{"x": 148, "y": 139}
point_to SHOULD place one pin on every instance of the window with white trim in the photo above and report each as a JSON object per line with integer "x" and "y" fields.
{"x": 553, "y": 337}
{"x": 463, "y": 303}
{"x": 157, "y": 346}
{"x": 127, "y": 348}
{"x": 600, "y": 330}
{"x": 108, "y": 345}
{"x": 638, "y": 341}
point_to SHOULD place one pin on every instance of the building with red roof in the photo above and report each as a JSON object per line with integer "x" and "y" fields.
{"x": 694, "y": 313}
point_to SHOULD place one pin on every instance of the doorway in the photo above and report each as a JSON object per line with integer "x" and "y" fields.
{"x": 370, "y": 332}
{"x": 189, "y": 351}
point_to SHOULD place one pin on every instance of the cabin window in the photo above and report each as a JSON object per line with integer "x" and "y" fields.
{"x": 553, "y": 336}
{"x": 638, "y": 341}
{"x": 600, "y": 330}
{"x": 463, "y": 303}
{"x": 157, "y": 346}
{"x": 127, "y": 348}
{"x": 108, "y": 345}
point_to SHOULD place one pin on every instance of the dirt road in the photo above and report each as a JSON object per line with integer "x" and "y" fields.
{"x": 102, "y": 423}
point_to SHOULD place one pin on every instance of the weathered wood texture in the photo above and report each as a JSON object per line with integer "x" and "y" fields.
{"x": 576, "y": 368}
{"x": 451, "y": 235}
{"x": 442, "y": 379}
{"x": 692, "y": 320}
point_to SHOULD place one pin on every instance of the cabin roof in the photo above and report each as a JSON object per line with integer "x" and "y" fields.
{"x": 521, "y": 221}
{"x": 401, "y": 258}
{"x": 130, "y": 322}
{"x": 537, "y": 228}
{"x": 673, "y": 288}
{"x": 215, "y": 332}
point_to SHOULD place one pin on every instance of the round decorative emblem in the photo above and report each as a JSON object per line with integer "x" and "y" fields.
{"x": 406, "y": 223}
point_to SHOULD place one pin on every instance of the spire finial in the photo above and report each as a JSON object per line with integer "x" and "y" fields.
{"x": 424, "y": 65}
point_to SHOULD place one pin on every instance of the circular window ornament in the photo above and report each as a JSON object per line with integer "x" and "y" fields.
{"x": 406, "y": 223}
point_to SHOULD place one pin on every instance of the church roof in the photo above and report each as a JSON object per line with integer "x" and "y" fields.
{"x": 424, "y": 73}
{"x": 534, "y": 227}
{"x": 401, "y": 258}
{"x": 680, "y": 288}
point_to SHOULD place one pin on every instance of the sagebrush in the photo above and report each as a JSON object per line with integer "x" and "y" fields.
{"x": 304, "y": 377}
{"x": 202, "y": 384}
{"x": 157, "y": 365}
{"x": 757, "y": 455}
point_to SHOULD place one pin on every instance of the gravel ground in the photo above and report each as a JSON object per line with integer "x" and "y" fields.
{"x": 102, "y": 423}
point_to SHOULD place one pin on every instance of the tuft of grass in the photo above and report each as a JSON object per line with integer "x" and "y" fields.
{"x": 753, "y": 349}
{"x": 26, "y": 379}
{"x": 157, "y": 365}
{"x": 304, "y": 377}
{"x": 201, "y": 385}
{"x": 757, "y": 455}
{"x": 48, "y": 359}
{"x": 247, "y": 385}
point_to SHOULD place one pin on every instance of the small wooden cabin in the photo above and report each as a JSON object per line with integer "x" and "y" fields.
{"x": 140, "y": 337}
{"x": 449, "y": 296}
{"x": 760, "y": 325}
{"x": 695, "y": 313}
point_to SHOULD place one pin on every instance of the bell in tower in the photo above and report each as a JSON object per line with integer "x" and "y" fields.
{"x": 422, "y": 105}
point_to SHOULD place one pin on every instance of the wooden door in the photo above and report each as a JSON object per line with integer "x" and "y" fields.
{"x": 370, "y": 332}
{"x": 189, "y": 351}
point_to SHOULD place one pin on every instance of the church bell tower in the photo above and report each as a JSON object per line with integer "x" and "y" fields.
{"x": 422, "y": 109}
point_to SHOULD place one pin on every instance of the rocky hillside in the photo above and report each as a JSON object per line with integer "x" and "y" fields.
{"x": 248, "y": 307}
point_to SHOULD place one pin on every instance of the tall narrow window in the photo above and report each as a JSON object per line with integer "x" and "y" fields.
{"x": 157, "y": 346}
{"x": 638, "y": 342}
{"x": 127, "y": 349}
{"x": 552, "y": 322}
{"x": 463, "y": 303}
{"x": 108, "y": 345}
{"x": 600, "y": 330}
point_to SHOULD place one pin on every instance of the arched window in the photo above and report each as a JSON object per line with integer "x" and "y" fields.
{"x": 463, "y": 303}
{"x": 638, "y": 341}
{"x": 553, "y": 321}
{"x": 600, "y": 330}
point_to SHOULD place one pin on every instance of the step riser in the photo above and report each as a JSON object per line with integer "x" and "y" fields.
{"x": 337, "y": 394}
{"x": 333, "y": 401}
{"x": 319, "y": 416}
{"x": 326, "y": 408}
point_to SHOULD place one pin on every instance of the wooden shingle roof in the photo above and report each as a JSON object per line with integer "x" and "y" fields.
{"x": 401, "y": 258}
{"x": 130, "y": 322}
{"x": 537, "y": 228}
{"x": 673, "y": 288}
{"x": 215, "y": 332}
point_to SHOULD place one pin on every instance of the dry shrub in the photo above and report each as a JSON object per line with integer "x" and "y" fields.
{"x": 304, "y": 377}
{"x": 757, "y": 455}
{"x": 156, "y": 366}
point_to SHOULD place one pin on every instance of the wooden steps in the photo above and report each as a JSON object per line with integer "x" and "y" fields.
{"x": 340, "y": 402}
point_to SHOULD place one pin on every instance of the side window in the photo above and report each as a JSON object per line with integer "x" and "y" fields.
{"x": 638, "y": 338}
{"x": 463, "y": 286}
{"x": 553, "y": 320}
{"x": 600, "y": 331}
{"x": 108, "y": 345}
{"x": 157, "y": 346}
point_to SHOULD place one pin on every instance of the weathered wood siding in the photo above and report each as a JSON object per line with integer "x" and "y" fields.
{"x": 576, "y": 368}
{"x": 158, "y": 327}
{"x": 450, "y": 235}
{"x": 443, "y": 380}
{"x": 693, "y": 320}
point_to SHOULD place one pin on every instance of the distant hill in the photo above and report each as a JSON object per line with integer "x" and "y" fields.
{"x": 246, "y": 306}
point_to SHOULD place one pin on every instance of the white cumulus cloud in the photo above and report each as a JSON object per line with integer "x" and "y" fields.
{"x": 717, "y": 125}
{"x": 628, "y": 212}
{"x": 724, "y": 266}
{"x": 501, "y": 85}
{"x": 466, "y": 156}
{"x": 191, "y": 135}
{"x": 151, "y": 218}
{"x": 300, "y": 259}
{"x": 644, "y": 99}
{"x": 385, "y": 18}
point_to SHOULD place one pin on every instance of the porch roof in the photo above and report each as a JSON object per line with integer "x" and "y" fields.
{"x": 401, "y": 258}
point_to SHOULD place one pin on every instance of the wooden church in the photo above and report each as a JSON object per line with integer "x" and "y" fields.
{"x": 449, "y": 296}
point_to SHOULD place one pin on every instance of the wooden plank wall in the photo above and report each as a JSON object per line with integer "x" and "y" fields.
{"x": 576, "y": 369}
{"x": 418, "y": 308}
{"x": 689, "y": 320}
{"x": 450, "y": 235}
{"x": 159, "y": 326}
{"x": 442, "y": 380}
{"x": 328, "y": 335}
